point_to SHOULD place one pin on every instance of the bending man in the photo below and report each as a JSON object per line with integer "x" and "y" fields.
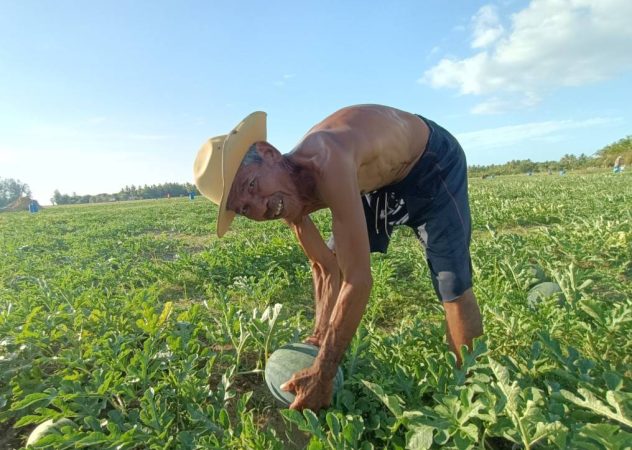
{"x": 375, "y": 168}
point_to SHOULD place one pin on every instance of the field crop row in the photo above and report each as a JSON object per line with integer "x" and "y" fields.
{"x": 135, "y": 322}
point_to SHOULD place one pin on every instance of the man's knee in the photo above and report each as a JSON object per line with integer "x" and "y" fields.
{"x": 452, "y": 285}
{"x": 465, "y": 312}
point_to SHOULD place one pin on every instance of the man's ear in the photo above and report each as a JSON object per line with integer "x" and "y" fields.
{"x": 268, "y": 152}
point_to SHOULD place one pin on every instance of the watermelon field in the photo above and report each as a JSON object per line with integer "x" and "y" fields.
{"x": 145, "y": 331}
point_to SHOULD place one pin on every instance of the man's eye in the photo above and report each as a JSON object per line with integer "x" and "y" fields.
{"x": 252, "y": 184}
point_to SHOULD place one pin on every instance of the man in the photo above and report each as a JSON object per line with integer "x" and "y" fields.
{"x": 617, "y": 168}
{"x": 374, "y": 167}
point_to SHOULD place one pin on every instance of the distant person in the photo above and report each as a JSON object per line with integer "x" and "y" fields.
{"x": 618, "y": 164}
{"x": 375, "y": 168}
{"x": 33, "y": 206}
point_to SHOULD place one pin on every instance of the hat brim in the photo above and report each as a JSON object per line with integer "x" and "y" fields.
{"x": 250, "y": 130}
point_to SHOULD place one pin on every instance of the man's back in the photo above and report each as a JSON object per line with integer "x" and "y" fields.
{"x": 384, "y": 143}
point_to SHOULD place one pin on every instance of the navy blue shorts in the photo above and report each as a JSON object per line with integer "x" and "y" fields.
{"x": 433, "y": 201}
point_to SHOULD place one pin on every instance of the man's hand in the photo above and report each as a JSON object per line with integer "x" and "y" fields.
{"x": 313, "y": 339}
{"x": 313, "y": 391}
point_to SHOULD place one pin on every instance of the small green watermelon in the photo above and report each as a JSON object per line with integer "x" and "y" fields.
{"x": 287, "y": 360}
{"x": 533, "y": 274}
{"x": 48, "y": 427}
{"x": 542, "y": 291}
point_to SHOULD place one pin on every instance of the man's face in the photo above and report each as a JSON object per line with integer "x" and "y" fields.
{"x": 264, "y": 191}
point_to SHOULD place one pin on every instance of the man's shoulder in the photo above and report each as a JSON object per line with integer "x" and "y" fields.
{"x": 321, "y": 149}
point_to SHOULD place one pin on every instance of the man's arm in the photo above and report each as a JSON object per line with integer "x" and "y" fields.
{"x": 325, "y": 274}
{"x": 339, "y": 190}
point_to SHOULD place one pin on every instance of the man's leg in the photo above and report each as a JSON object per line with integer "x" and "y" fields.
{"x": 463, "y": 322}
{"x": 440, "y": 215}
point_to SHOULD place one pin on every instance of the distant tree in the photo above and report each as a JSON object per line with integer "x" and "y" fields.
{"x": 128, "y": 193}
{"x": 602, "y": 158}
{"x": 623, "y": 147}
{"x": 11, "y": 190}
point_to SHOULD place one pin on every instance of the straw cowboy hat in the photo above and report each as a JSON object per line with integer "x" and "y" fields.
{"x": 218, "y": 160}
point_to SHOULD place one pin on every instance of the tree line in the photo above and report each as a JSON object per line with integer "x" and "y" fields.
{"x": 132, "y": 192}
{"x": 11, "y": 190}
{"x": 601, "y": 159}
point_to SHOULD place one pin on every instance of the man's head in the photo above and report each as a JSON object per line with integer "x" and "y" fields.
{"x": 242, "y": 173}
{"x": 264, "y": 186}
{"x": 218, "y": 160}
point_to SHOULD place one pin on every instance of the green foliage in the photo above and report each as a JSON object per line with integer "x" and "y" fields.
{"x": 135, "y": 322}
{"x": 623, "y": 147}
{"x": 602, "y": 158}
{"x": 11, "y": 190}
{"x": 128, "y": 193}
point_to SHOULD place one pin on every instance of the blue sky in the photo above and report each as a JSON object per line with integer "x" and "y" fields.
{"x": 102, "y": 94}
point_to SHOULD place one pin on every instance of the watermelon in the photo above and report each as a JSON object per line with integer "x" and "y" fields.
{"x": 287, "y": 360}
{"x": 48, "y": 427}
{"x": 533, "y": 274}
{"x": 542, "y": 291}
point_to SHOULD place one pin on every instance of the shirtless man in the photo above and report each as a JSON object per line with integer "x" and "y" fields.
{"x": 374, "y": 167}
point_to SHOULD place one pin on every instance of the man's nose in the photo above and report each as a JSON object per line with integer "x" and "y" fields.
{"x": 255, "y": 209}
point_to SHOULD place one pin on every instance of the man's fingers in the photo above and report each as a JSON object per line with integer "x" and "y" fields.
{"x": 296, "y": 404}
{"x": 312, "y": 340}
{"x": 299, "y": 403}
{"x": 288, "y": 386}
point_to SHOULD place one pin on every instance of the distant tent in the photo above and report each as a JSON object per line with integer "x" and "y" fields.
{"x": 23, "y": 204}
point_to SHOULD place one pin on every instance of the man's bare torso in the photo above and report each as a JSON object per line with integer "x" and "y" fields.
{"x": 384, "y": 144}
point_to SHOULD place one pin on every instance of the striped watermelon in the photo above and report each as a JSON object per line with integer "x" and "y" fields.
{"x": 287, "y": 360}
{"x": 542, "y": 291}
{"x": 48, "y": 427}
{"x": 534, "y": 274}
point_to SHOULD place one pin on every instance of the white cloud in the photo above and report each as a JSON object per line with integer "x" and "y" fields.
{"x": 97, "y": 120}
{"x": 146, "y": 137}
{"x": 6, "y": 156}
{"x": 285, "y": 77}
{"x": 434, "y": 50}
{"x": 508, "y": 102}
{"x": 551, "y": 44}
{"x": 508, "y": 136}
{"x": 487, "y": 27}
{"x": 76, "y": 132}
